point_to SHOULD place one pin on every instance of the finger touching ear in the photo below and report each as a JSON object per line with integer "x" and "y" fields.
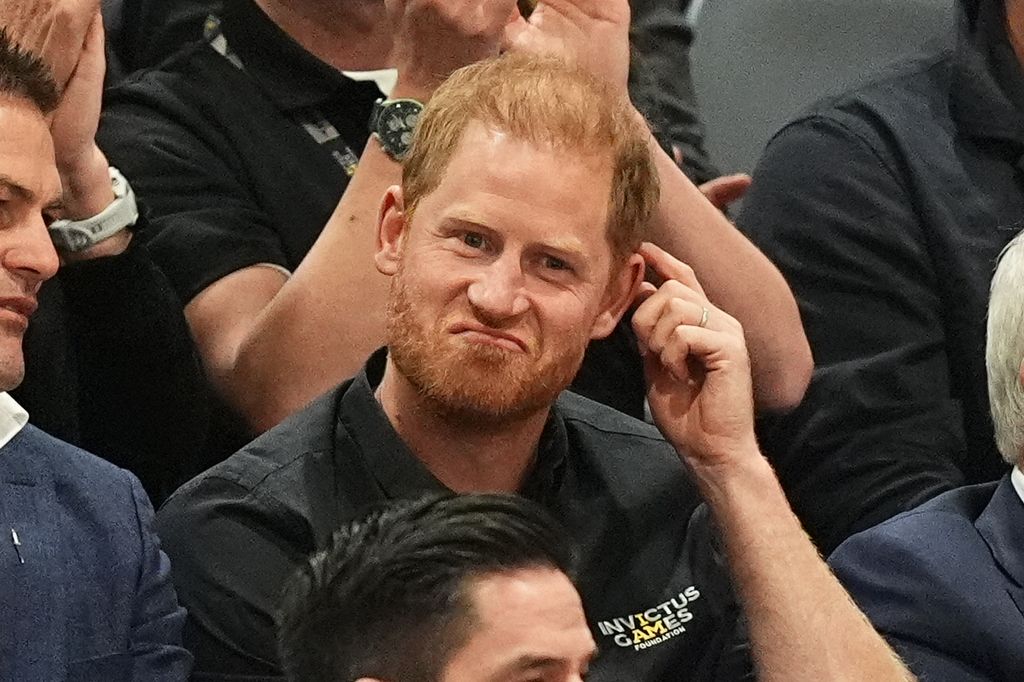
{"x": 667, "y": 266}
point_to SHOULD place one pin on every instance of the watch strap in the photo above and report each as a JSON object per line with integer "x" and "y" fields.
{"x": 72, "y": 236}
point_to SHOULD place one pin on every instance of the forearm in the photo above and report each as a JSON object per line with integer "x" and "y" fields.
{"x": 802, "y": 623}
{"x": 327, "y": 318}
{"x": 741, "y": 280}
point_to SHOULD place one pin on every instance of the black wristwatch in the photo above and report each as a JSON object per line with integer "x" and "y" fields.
{"x": 392, "y": 122}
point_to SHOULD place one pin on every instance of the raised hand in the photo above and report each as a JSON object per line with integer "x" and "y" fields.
{"x": 53, "y": 29}
{"x": 696, "y": 364}
{"x": 433, "y": 38}
{"x": 81, "y": 164}
{"x": 593, "y": 33}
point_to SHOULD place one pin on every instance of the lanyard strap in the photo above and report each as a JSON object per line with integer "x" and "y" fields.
{"x": 309, "y": 119}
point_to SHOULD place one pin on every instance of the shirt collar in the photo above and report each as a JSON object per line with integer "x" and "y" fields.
{"x": 988, "y": 82}
{"x": 13, "y": 418}
{"x": 288, "y": 74}
{"x": 1017, "y": 478}
{"x": 401, "y": 475}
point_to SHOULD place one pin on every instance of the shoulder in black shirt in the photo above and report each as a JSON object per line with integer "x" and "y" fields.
{"x": 656, "y": 594}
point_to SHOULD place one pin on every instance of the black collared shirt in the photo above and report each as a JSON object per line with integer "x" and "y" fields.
{"x": 886, "y": 209}
{"x": 232, "y": 178}
{"x": 655, "y": 593}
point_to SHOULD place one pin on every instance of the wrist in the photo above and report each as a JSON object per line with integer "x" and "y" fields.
{"x": 413, "y": 84}
{"x": 723, "y": 479}
{"x": 87, "y": 188}
{"x": 102, "y": 233}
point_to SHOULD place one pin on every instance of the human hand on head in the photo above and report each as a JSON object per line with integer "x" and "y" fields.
{"x": 593, "y": 33}
{"x": 696, "y": 366}
{"x": 54, "y": 30}
{"x": 433, "y": 38}
{"x": 81, "y": 164}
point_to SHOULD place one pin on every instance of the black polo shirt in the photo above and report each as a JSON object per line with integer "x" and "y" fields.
{"x": 886, "y": 208}
{"x": 656, "y": 596}
{"x": 233, "y": 177}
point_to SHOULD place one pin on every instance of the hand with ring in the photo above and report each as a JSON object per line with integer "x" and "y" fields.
{"x": 696, "y": 365}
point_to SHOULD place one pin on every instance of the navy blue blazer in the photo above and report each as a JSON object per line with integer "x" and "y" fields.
{"x": 944, "y": 583}
{"x": 87, "y": 595}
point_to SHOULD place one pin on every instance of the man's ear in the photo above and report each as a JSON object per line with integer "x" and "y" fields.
{"x": 391, "y": 223}
{"x": 619, "y": 295}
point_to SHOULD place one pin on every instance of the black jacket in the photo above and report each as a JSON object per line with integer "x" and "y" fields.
{"x": 886, "y": 209}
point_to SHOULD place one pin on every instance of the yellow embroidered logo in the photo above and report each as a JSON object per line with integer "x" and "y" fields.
{"x": 654, "y": 625}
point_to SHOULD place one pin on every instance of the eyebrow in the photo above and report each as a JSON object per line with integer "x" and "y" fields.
{"x": 53, "y": 204}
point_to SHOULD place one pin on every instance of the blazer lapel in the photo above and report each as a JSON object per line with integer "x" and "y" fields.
{"x": 32, "y": 580}
{"x": 1002, "y": 527}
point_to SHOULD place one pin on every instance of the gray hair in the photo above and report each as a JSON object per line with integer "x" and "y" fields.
{"x": 1004, "y": 351}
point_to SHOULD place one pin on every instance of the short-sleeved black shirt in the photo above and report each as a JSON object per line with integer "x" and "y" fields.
{"x": 655, "y": 592}
{"x": 233, "y": 178}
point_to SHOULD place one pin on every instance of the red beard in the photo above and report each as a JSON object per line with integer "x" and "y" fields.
{"x": 474, "y": 381}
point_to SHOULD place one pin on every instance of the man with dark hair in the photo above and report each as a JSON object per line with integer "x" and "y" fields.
{"x": 515, "y": 238}
{"x": 110, "y": 365}
{"x": 86, "y": 590}
{"x": 886, "y": 207}
{"x": 475, "y": 588}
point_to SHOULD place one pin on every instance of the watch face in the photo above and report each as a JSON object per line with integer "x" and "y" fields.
{"x": 397, "y": 123}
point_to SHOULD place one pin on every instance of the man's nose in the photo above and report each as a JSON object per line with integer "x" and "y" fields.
{"x": 30, "y": 253}
{"x": 498, "y": 292}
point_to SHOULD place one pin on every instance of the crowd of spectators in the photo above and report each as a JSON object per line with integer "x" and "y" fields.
{"x": 424, "y": 326}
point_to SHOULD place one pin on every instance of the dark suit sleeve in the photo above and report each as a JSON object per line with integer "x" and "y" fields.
{"x": 912, "y": 589}
{"x": 878, "y": 431}
{"x": 157, "y": 618}
{"x": 232, "y": 552}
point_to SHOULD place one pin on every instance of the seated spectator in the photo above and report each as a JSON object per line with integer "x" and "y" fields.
{"x": 254, "y": 154}
{"x": 513, "y": 240}
{"x": 885, "y": 208}
{"x": 944, "y": 582}
{"x": 110, "y": 363}
{"x": 86, "y": 592}
{"x": 475, "y": 588}
{"x": 143, "y": 33}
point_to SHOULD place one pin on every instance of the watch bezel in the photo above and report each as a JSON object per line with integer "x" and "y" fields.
{"x": 390, "y": 123}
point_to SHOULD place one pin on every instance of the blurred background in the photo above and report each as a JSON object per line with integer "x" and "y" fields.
{"x": 758, "y": 62}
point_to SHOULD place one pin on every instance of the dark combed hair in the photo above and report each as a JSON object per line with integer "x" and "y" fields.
{"x": 389, "y": 596}
{"x": 24, "y": 76}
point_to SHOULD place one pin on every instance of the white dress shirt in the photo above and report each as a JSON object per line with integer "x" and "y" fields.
{"x": 13, "y": 418}
{"x": 1017, "y": 478}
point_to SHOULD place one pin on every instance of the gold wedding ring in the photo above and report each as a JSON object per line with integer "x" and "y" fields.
{"x": 703, "y": 317}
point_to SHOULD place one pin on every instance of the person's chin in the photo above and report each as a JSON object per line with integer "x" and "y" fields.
{"x": 12, "y": 361}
